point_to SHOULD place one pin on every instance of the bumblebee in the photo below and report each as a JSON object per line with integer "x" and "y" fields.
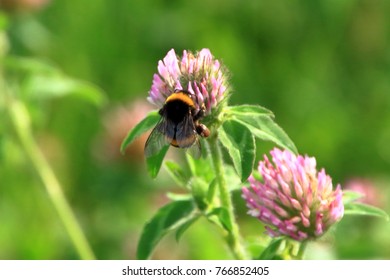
{"x": 179, "y": 125}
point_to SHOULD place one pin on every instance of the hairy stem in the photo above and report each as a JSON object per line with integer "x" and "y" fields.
{"x": 233, "y": 238}
{"x": 21, "y": 122}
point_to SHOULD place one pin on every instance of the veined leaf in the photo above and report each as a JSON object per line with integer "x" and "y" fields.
{"x": 167, "y": 219}
{"x": 240, "y": 143}
{"x": 364, "y": 209}
{"x": 264, "y": 128}
{"x": 147, "y": 123}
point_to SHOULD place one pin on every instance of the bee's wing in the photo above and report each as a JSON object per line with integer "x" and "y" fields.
{"x": 185, "y": 133}
{"x": 196, "y": 149}
{"x": 157, "y": 139}
{"x": 186, "y": 137}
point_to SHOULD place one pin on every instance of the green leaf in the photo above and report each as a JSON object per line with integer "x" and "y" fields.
{"x": 264, "y": 128}
{"x": 223, "y": 217}
{"x": 177, "y": 173}
{"x": 29, "y": 66}
{"x": 154, "y": 162}
{"x": 240, "y": 144}
{"x": 271, "y": 251}
{"x": 234, "y": 182}
{"x": 147, "y": 123}
{"x": 248, "y": 110}
{"x": 41, "y": 80}
{"x": 179, "y": 196}
{"x": 200, "y": 167}
{"x": 212, "y": 190}
{"x": 364, "y": 209}
{"x": 350, "y": 196}
{"x": 53, "y": 86}
{"x": 167, "y": 219}
{"x": 199, "y": 188}
{"x": 183, "y": 228}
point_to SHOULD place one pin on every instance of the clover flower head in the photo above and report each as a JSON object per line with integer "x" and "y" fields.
{"x": 294, "y": 199}
{"x": 200, "y": 74}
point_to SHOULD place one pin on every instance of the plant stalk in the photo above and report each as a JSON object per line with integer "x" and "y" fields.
{"x": 21, "y": 122}
{"x": 301, "y": 251}
{"x": 233, "y": 238}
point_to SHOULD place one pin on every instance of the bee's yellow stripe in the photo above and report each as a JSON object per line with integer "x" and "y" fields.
{"x": 182, "y": 97}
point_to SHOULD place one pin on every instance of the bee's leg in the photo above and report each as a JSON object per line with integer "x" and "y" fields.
{"x": 200, "y": 114}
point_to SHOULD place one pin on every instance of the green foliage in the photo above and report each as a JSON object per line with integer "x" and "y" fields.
{"x": 39, "y": 80}
{"x": 154, "y": 162}
{"x": 364, "y": 209}
{"x": 260, "y": 123}
{"x": 222, "y": 215}
{"x": 353, "y": 207}
{"x": 177, "y": 173}
{"x": 272, "y": 251}
{"x": 147, "y": 123}
{"x": 240, "y": 126}
{"x": 199, "y": 189}
{"x": 322, "y": 69}
{"x": 240, "y": 143}
{"x": 350, "y": 196}
{"x": 167, "y": 219}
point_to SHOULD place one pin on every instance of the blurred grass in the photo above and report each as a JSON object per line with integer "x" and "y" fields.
{"x": 322, "y": 68}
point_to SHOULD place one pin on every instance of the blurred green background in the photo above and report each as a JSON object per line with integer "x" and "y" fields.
{"x": 323, "y": 68}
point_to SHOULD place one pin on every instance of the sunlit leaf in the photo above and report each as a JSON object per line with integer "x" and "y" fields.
{"x": 178, "y": 196}
{"x": 364, "y": 209}
{"x": 240, "y": 144}
{"x": 167, "y": 219}
{"x": 52, "y": 86}
{"x": 264, "y": 128}
{"x": 248, "y": 110}
{"x": 147, "y": 123}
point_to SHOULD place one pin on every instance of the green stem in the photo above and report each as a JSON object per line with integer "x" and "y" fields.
{"x": 21, "y": 122}
{"x": 233, "y": 238}
{"x": 301, "y": 251}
